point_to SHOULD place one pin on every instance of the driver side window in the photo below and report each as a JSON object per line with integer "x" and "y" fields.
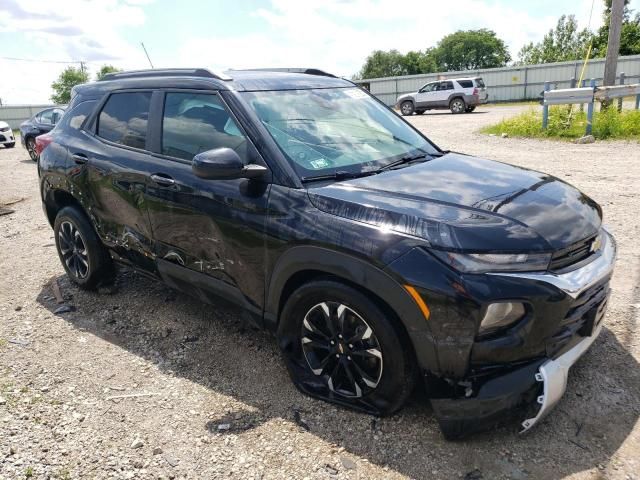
{"x": 196, "y": 122}
{"x": 429, "y": 87}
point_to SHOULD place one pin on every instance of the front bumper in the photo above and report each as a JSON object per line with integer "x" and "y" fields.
{"x": 6, "y": 136}
{"x": 537, "y": 384}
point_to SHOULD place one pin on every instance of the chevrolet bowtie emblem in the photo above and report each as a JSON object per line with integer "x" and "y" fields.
{"x": 596, "y": 244}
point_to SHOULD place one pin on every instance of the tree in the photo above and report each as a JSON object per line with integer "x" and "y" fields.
{"x": 471, "y": 50}
{"x": 69, "y": 78}
{"x": 416, "y": 62}
{"x": 629, "y": 36}
{"x": 564, "y": 42}
{"x": 382, "y": 64}
{"x": 105, "y": 69}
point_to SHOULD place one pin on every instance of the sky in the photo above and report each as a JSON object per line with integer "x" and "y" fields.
{"x": 333, "y": 35}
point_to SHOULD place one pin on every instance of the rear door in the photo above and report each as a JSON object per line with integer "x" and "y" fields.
{"x": 208, "y": 234}
{"x": 444, "y": 90}
{"x": 109, "y": 167}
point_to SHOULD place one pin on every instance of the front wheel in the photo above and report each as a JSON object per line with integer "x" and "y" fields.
{"x": 342, "y": 347}
{"x": 31, "y": 148}
{"x": 83, "y": 256}
{"x": 457, "y": 105}
{"x": 406, "y": 108}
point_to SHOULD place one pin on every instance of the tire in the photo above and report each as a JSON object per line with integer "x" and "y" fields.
{"x": 470, "y": 109}
{"x": 31, "y": 148}
{"x": 419, "y": 112}
{"x": 373, "y": 372}
{"x": 83, "y": 256}
{"x": 457, "y": 105}
{"x": 10, "y": 145}
{"x": 406, "y": 108}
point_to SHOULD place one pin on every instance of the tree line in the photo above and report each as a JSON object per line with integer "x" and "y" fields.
{"x": 479, "y": 49}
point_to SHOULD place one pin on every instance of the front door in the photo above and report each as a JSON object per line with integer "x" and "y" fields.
{"x": 426, "y": 95}
{"x": 208, "y": 234}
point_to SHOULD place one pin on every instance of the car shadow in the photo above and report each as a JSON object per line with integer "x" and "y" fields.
{"x": 212, "y": 346}
{"x": 446, "y": 112}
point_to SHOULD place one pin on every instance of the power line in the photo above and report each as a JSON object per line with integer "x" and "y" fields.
{"x": 39, "y": 61}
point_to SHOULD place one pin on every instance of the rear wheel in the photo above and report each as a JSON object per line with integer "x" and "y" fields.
{"x": 406, "y": 108}
{"x": 31, "y": 148}
{"x": 457, "y": 105}
{"x": 342, "y": 347}
{"x": 83, "y": 256}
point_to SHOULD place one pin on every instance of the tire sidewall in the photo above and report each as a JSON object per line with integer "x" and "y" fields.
{"x": 410, "y": 110}
{"x": 462, "y": 110}
{"x": 95, "y": 250}
{"x": 396, "y": 371}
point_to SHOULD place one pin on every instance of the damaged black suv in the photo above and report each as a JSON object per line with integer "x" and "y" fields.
{"x": 376, "y": 258}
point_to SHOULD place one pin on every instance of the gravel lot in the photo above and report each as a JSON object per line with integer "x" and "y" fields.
{"x": 144, "y": 382}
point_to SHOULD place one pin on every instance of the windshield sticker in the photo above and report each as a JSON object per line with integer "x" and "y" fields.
{"x": 319, "y": 163}
{"x": 356, "y": 93}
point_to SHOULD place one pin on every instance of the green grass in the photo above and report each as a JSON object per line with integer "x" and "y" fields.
{"x": 609, "y": 124}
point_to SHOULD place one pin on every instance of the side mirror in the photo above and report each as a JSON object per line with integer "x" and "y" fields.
{"x": 223, "y": 164}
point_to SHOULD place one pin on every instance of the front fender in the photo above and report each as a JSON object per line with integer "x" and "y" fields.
{"x": 308, "y": 258}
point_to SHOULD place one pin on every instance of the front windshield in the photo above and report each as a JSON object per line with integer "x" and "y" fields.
{"x": 323, "y": 131}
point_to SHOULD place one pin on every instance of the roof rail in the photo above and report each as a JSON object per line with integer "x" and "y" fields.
{"x": 166, "y": 72}
{"x": 308, "y": 71}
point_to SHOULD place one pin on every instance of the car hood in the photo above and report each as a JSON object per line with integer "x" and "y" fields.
{"x": 3, "y": 124}
{"x": 467, "y": 203}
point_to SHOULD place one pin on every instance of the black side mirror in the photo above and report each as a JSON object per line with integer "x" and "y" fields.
{"x": 224, "y": 163}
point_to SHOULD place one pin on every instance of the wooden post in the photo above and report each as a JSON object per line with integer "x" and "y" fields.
{"x": 590, "y": 110}
{"x": 613, "y": 46}
{"x": 545, "y": 107}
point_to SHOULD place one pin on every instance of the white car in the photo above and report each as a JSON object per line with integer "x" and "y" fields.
{"x": 6, "y": 135}
{"x": 459, "y": 95}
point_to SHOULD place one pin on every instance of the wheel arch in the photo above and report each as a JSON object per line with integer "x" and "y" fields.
{"x": 55, "y": 200}
{"x": 303, "y": 264}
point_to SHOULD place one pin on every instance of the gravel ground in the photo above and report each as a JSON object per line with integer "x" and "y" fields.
{"x": 143, "y": 382}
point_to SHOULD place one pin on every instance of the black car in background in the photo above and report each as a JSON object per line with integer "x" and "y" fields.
{"x": 41, "y": 122}
{"x": 377, "y": 259}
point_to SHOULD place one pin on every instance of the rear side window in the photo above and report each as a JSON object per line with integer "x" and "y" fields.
{"x": 446, "y": 86}
{"x": 75, "y": 118}
{"x": 124, "y": 119}
{"x": 479, "y": 83}
{"x": 197, "y": 122}
{"x": 465, "y": 83}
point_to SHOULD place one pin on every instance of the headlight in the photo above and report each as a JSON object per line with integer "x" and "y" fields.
{"x": 494, "y": 262}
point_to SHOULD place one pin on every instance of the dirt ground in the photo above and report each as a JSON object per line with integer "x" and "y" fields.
{"x": 143, "y": 382}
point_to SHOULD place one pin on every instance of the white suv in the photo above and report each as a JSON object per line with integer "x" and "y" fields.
{"x": 459, "y": 95}
{"x": 6, "y": 135}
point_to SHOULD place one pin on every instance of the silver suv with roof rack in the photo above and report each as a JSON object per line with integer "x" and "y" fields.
{"x": 460, "y": 95}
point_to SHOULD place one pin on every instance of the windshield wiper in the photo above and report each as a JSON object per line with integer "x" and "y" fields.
{"x": 403, "y": 160}
{"x": 339, "y": 175}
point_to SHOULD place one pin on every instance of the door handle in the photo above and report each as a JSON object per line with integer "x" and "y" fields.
{"x": 162, "y": 180}
{"x": 80, "y": 158}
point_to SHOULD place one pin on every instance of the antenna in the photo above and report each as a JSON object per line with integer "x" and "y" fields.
{"x": 145, "y": 52}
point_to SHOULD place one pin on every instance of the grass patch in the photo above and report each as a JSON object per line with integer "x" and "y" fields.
{"x": 609, "y": 124}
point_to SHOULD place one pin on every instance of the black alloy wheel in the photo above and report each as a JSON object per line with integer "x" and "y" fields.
{"x": 340, "y": 346}
{"x": 31, "y": 148}
{"x": 73, "y": 250}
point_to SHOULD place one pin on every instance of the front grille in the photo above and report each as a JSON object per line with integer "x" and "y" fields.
{"x": 572, "y": 254}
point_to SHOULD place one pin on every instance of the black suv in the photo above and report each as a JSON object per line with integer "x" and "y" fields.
{"x": 377, "y": 259}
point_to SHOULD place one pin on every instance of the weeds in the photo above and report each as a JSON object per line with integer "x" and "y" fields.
{"x": 568, "y": 124}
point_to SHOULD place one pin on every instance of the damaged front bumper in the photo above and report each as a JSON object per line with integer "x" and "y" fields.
{"x": 539, "y": 384}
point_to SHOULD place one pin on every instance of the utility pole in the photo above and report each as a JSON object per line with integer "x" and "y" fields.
{"x": 613, "y": 45}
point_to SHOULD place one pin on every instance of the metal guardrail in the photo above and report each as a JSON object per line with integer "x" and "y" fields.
{"x": 588, "y": 95}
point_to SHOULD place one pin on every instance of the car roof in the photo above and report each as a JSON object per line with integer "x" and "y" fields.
{"x": 198, "y": 78}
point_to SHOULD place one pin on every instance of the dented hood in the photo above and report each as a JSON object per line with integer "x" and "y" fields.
{"x": 466, "y": 203}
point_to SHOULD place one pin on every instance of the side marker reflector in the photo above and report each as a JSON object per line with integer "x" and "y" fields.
{"x": 418, "y": 299}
